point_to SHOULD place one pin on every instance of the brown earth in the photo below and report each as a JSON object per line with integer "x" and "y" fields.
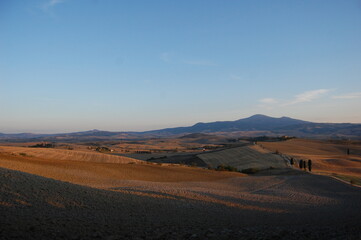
{"x": 97, "y": 174}
{"x": 46, "y": 198}
{"x": 61, "y": 154}
{"x": 327, "y": 157}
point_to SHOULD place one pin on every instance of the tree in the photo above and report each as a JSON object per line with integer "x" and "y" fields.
{"x": 309, "y": 163}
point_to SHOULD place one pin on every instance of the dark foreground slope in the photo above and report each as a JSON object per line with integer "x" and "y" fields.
{"x": 290, "y": 206}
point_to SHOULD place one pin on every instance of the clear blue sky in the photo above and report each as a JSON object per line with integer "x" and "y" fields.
{"x": 74, "y": 65}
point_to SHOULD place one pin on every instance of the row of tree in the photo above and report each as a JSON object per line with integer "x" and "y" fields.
{"x": 303, "y": 164}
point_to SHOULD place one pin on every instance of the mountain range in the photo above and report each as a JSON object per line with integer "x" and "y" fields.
{"x": 256, "y": 125}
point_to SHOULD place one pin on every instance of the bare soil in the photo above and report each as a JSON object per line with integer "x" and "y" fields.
{"x": 327, "y": 157}
{"x": 45, "y": 198}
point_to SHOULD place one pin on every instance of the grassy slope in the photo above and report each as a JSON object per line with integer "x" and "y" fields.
{"x": 243, "y": 158}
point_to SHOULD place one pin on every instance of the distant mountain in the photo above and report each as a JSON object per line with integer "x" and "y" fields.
{"x": 20, "y": 135}
{"x": 92, "y": 135}
{"x": 265, "y": 125}
{"x": 320, "y": 130}
{"x": 196, "y": 135}
{"x": 255, "y": 125}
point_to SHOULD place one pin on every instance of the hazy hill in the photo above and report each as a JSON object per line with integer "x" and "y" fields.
{"x": 333, "y": 130}
{"x": 270, "y": 125}
{"x": 274, "y": 126}
{"x": 254, "y": 123}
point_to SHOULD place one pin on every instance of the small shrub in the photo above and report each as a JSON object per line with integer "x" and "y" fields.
{"x": 23, "y": 154}
{"x": 250, "y": 170}
{"x": 226, "y": 168}
{"x": 193, "y": 164}
{"x": 102, "y": 149}
{"x": 43, "y": 145}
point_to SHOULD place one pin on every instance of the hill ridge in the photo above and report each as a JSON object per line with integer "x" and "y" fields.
{"x": 263, "y": 124}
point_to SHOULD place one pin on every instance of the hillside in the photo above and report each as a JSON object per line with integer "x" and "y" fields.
{"x": 61, "y": 155}
{"x": 328, "y": 158}
{"x": 243, "y": 158}
{"x": 60, "y": 199}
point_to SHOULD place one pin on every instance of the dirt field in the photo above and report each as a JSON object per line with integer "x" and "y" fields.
{"x": 96, "y": 174}
{"x": 61, "y": 154}
{"x": 45, "y": 198}
{"x": 182, "y": 144}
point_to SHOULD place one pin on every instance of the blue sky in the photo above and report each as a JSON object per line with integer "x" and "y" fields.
{"x": 73, "y": 65}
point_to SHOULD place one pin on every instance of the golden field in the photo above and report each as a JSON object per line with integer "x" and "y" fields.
{"x": 82, "y": 194}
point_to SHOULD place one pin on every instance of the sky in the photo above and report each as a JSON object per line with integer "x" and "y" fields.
{"x": 118, "y": 65}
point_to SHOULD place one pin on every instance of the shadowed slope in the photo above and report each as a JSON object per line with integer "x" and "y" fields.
{"x": 34, "y": 207}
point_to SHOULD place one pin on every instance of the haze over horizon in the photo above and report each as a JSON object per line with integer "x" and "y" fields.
{"x": 256, "y": 116}
{"x": 68, "y": 66}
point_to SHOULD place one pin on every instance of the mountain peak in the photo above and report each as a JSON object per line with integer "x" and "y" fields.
{"x": 94, "y": 131}
{"x": 258, "y": 116}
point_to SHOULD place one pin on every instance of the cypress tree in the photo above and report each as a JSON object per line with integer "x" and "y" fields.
{"x": 309, "y": 163}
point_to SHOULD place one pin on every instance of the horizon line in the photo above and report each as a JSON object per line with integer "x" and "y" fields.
{"x": 140, "y": 131}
